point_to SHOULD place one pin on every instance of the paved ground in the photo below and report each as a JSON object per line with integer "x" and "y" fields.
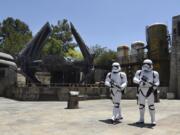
{"x": 51, "y": 118}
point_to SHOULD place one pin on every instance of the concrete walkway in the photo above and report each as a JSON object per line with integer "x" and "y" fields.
{"x": 51, "y": 118}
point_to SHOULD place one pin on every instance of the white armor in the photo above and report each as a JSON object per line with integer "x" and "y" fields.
{"x": 117, "y": 81}
{"x": 148, "y": 81}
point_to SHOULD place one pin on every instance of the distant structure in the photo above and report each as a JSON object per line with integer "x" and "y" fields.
{"x": 81, "y": 73}
{"x": 129, "y": 59}
{"x": 122, "y": 54}
{"x": 123, "y": 58}
{"x": 174, "y": 84}
{"x": 137, "y": 50}
{"x": 8, "y": 75}
{"x": 158, "y": 50}
{"x": 137, "y": 56}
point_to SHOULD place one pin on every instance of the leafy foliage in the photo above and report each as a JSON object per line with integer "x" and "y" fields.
{"x": 61, "y": 41}
{"x": 103, "y": 56}
{"x": 98, "y": 50}
{"x": 14, "y": 34}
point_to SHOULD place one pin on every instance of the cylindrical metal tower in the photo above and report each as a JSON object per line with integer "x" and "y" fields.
{"x": 158, "y": 50}
{"x": 137, "y": 51}
{"x": 174, "y": 83}
{"x": 122, "y": 54}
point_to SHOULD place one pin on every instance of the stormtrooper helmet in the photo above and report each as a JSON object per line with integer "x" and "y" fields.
{"x": 116, "y": 67}
{"x": 147, "y": 65}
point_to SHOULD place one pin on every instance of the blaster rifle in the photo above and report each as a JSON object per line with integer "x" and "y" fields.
{"x": 151, "y": 89}
{"x": 137, "y": 95}
{"x": 145, "y": 79}
{"x": 113, "y": 84}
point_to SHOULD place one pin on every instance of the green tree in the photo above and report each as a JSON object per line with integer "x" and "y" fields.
{"x": 98, "y": 50}
{"x": 105, "y": 58}
{"x": 53, "y": 46}
{"x": 61, "y": 41}
{"x": 14, "y": 34}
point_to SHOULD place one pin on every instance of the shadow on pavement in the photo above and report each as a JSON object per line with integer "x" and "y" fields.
{"x": 109, "y": 121}
{"x": 145, "y": 125}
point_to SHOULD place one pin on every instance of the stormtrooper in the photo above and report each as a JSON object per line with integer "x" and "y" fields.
{"x": 117, "y": 82}
{"x": 148, "y": 81}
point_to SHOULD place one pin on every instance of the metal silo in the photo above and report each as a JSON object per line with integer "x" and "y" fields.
{"x": 123, "y": 58}
{"x": 137, "y": 51}
{"x": 122, "y": 54}
{"x": 174, "y": 88}
{"x": 158, "y": 51}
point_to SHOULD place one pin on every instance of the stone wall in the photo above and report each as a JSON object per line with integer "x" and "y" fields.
{"x": 62, "y": 93}
{"x": 34, "y": 93}
{"x": 7, "y": 81}
{"x": 26, "y": 93}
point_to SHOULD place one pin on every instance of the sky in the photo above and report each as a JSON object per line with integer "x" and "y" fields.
{"x": 109, "y": 23}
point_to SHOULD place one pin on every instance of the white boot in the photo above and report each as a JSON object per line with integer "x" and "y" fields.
{"x": 141, "y": 110}
{"x": 152, "y": 114}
